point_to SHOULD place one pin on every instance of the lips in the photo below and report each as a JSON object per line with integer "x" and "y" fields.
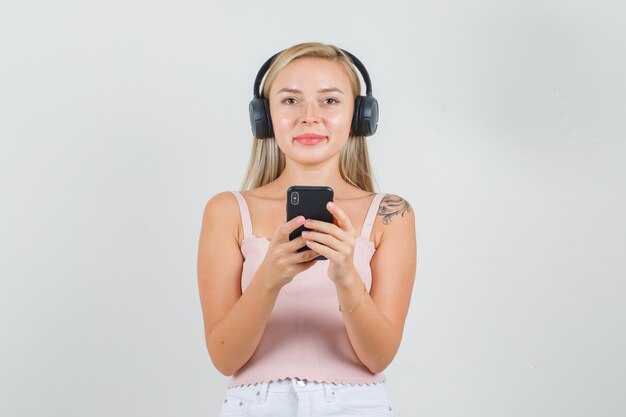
{"x": 309, "y": 139}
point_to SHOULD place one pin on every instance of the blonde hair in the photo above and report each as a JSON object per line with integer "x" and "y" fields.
{"x": 267, "y": 161}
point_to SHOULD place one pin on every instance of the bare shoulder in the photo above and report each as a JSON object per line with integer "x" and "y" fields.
{"x": 394, "y": 216}
{"x": 393, "y": 206}
{"x": 221, "y": 201}
{"x": 222, "y": 210}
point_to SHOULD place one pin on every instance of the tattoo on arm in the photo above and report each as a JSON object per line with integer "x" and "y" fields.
{"x": 392, "y": 205}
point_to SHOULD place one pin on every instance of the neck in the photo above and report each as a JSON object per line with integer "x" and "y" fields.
{"x": 312, "y": 175}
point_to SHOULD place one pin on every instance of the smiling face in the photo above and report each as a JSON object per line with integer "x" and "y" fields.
{"x": 311, "y": 105}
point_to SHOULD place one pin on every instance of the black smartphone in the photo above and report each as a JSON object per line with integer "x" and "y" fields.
{"x": 310, "y": 202}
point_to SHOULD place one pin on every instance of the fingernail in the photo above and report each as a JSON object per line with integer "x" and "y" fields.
{"x": 331, "y": 204}
{"x": 300, "y": 220}
{"x": 308, "y": 223}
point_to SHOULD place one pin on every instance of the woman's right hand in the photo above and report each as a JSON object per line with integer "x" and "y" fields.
{"x": 282, "y": 261}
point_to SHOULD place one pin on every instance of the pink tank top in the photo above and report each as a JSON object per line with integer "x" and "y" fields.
{"x": 305, "y": 336}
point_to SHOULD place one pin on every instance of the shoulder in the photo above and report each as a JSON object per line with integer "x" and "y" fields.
{"x": 221, "y": 212}
{"x": 394, "y": 216}
{"x": 221, "y": 202}
{"x": 393, "y": 206}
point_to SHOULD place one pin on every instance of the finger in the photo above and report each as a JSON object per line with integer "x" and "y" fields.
{"x": 295, "y": 244}
{"x": 323, "y": 238}
{"x": 308, "y": 255}
{"x": 286, "y": 228}
{"x": 342, "y": 218}
{"x": 321, "y": 226}
{"x": 304, "y": 256}
{"x": 321, "y": 249}
{"x": 303, "y": 266}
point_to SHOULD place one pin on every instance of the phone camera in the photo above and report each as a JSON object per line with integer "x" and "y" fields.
{"x": 295, "y": 198}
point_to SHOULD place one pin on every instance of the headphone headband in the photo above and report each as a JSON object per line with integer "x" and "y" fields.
{"x": 357, "y": 63}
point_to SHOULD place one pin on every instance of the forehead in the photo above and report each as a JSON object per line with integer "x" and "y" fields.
{"x": 312, "y": 73}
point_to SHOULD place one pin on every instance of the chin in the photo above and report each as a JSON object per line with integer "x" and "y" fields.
{"x": 309, "y": 158}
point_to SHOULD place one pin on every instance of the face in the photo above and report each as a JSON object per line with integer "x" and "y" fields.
{"x": 311, "y": 105}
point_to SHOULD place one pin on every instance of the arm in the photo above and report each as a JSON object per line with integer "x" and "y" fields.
{"x": 234, "y": 323}
{"x": 375, "y": 328}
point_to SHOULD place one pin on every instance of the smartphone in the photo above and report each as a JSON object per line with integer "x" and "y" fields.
{"x": 310, "y": 202}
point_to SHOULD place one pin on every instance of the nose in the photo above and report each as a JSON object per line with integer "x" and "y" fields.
{"x": 311, "y": 115}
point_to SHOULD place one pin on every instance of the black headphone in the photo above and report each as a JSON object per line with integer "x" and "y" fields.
{"x": 364, "y": 119}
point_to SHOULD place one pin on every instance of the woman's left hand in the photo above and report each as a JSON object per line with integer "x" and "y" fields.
{"x": 333, "y": 240}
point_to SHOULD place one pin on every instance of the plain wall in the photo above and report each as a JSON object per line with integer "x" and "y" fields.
{"x": 501, "y": 123}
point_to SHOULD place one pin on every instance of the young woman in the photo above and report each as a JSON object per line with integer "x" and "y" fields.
{"x": 298, "y": 336}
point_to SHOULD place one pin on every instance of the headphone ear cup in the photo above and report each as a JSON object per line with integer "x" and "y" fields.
{"x": 260, "y": 120}
{"x": 356, "y": 117}
{"x": 365, "y": 117}
{"x": 369, "y": 112}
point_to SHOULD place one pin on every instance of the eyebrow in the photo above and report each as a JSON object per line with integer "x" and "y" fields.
{"x": 323, "y": 90}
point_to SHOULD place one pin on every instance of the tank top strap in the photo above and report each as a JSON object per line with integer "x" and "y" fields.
{"x": 245, "y": 215}
{"x": 371, "y": 216}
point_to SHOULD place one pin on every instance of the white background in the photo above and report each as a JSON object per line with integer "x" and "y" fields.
{"x": 501, "y": 123}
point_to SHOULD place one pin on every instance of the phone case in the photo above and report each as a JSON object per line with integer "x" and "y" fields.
{"x": 310, "y": 202}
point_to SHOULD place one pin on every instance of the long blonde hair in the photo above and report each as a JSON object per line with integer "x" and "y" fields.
{"x": 267, "y": 161}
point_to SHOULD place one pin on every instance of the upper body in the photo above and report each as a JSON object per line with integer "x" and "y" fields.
{"x": 308, "y": 96}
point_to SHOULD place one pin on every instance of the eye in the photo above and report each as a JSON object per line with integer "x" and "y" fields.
{"x": 331, "y": 100}
{"x": 289, "y": 100}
